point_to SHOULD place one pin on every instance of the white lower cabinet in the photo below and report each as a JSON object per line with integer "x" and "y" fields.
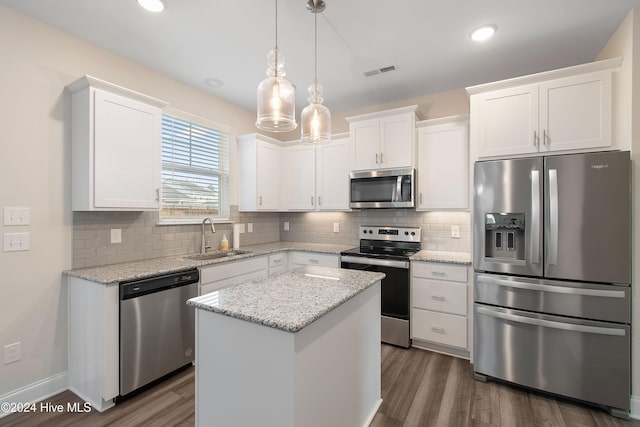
{"x": 219, "y": 276}
{"x": 298, "y": 259}
{"x": 439, "y": 312}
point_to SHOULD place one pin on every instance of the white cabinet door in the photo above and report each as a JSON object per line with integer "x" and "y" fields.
{"x": 575, "y": 112}
{"x": 443, "y": 165}
{"x": 299, "y": 172}
{"x": 116, "y": 146}
{"x": 259, "y": 173}
{"x": 126, "y": 152}
{"x": 397, "y": 141}
{"x": 365, "y": 138}
{"x": 268, "y": 176}
{"x": 508, "y": 121}
{"x": 332, "y": 176}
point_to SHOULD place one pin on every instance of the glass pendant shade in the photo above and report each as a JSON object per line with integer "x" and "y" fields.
{"x": 315, "y": 120}
{"x": 276, "y": 98}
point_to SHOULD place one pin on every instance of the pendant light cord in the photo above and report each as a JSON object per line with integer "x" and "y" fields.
{"x": 315, "y": 69}
{"x": 276, "y": 49}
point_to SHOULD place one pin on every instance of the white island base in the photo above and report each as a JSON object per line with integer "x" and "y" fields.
{"x": 326, "y": 374}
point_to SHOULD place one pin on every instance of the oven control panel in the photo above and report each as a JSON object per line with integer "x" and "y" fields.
{"x": 398, "y": 234}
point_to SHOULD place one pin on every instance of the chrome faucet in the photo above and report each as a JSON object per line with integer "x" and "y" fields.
{"x": 203, "y": 248}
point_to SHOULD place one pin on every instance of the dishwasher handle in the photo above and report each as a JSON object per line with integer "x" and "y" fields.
{"x": 140, "y": 287}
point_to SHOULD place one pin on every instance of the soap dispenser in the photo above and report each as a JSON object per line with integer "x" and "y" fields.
{"x": 224, "y": 244}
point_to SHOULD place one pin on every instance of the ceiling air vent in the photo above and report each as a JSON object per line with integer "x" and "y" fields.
{"x": 376, "y": 71}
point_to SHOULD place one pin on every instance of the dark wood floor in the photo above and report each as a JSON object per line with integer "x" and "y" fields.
{"x": 419, "y": 388}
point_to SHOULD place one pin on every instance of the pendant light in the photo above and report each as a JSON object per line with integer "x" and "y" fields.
{"x": 315, "y": 120}
{"x": 276, "y": 96}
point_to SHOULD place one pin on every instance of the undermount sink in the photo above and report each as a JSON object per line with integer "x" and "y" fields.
{"x": 216, "y": 255}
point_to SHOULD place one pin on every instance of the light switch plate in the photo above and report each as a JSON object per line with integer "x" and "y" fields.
{"x": 286, "y": 226}
{"x": 336, "y": 227}
{"x": 455, "y": 231}
{"x": 14, "y": 242}
{"x": 16, "y": 216}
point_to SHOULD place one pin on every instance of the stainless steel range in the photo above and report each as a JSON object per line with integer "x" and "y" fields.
{"x": 387, "y": 250}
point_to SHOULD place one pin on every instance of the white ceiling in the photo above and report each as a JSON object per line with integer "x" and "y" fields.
{"x": 426, "y": 40}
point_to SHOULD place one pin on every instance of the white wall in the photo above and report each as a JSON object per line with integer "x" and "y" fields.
{"x": 37, "y": 62}
{"x": 625, "y": 42}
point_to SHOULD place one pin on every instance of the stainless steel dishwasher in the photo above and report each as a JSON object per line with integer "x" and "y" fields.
{"x": 157, "y": 328}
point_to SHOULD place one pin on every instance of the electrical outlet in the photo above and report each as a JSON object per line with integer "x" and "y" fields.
{"x": 116, "y": 235}
{"x": 336, "y": 227}
{"x": 16, "y": 216}
{"x": 14, "y": 242}
{"x": 250, "y": 227}
{"x": 455, "y": 231}
{"x": 12, "y": 352}
{"x": 286, "y": 226}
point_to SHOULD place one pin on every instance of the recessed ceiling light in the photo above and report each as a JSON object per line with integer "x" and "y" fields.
{"x": 483, "y": 33}
{"x": 152, "y": 5}
{"x": 213, "y": 82}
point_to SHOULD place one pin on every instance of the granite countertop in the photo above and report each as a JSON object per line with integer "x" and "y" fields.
{"x": 442, "y": 256}
{"x": 115, "y": 273}
{"x": 288, "y": 301}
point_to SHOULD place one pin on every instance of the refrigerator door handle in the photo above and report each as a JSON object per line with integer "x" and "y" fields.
{"x": 551, "y": 324}
{"x": 549, "y": 288}
{"x": 553, "y": 217}
{"x": 535, "y": 217}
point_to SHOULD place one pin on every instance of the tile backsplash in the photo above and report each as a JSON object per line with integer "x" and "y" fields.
{"x": 317, "y": 227}
{"x": 143, "y": 238}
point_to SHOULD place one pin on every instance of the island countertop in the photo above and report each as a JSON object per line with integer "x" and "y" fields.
{"x": 288, "y": 301}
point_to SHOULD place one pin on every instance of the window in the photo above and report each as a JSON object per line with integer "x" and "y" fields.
{"x": 195, "y": 169}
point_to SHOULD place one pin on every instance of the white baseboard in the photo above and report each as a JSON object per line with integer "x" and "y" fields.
{"x": 37, "y": 391}
{"x": 373, "y": 414}
{"x": 635, "y": 407}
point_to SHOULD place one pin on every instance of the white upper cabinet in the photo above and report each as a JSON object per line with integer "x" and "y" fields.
{"x": 259, "y": 161}
{"x": 383, "y": 140}
{"x": 443, "y": 163}
{"x": 571, "y": 112}
{"x": 316, "y": 178}
{"x": 116, "y": 147}
{"x": 332, "y": 175}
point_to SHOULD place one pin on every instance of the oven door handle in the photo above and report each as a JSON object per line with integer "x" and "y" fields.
{"x": 552, "y": 324}
{"x": 375, "y": 261}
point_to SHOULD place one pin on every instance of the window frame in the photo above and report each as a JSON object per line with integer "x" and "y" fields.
{"x": 223, "y": 170}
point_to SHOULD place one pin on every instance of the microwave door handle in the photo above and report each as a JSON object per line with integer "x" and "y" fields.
{"x": 535, "y": 217}
{"x": 553, "y": 217}
{"x": 398, "y": 189}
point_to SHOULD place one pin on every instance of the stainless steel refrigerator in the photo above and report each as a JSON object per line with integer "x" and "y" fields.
{"x": 552, "y": 281}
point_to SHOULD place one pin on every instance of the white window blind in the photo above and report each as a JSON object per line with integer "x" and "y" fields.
{"x": 195, "y": 170}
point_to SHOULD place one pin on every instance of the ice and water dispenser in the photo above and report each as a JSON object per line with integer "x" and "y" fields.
{"x": 504, "y": 235}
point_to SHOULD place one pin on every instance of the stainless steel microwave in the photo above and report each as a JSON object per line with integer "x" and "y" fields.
{"x": 392, "y": 188}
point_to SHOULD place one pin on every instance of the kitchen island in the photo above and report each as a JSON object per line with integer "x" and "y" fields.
{"x": 300, "y": 348}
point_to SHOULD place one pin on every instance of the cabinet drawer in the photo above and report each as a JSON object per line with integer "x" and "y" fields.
{"x": 223, "y": 283}
{"x": 447, "y": 329}
{"x": 454, "y": 273}
{"x": 278, "y": 259}
{"x": 227, "y": 270}
{"x": 447, "y": 297}
{"x": 313, "y": 258}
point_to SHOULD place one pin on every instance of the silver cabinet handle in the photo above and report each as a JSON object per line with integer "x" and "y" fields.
{"x": 420, "y": 198}
{"x": 381, "y": 157}
{"x": 277, "y": 261}
{"x": 438, "y": 330}
{"x": 438, "y": 298}
{"x": 548, "y": 288}
{"x": 534, "y": 237}
{"x": 553, "y": 217}
{"x": 545, "y": 137}
{"x": 314, "y": 261}
{"x": 377, "y": 158}
{"x": 260, "y": 201}
{"x": 319, "y": 200}
{"x": 438, "y": 273}
{"x": 535, "y": 138}
{"x": 551, "y": 324}
{"x": 157, "y": 194}
{"x": 311, "y": 200}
